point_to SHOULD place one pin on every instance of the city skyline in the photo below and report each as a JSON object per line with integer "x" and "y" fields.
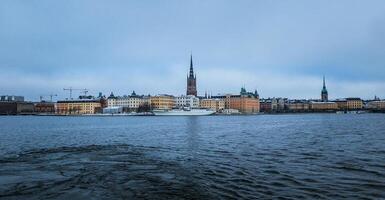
{"x": 282, "y": 49}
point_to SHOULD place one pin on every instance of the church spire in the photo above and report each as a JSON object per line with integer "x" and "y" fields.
{"x": 191, "y": 80}
{"x": 191, "y": 67}
{"x": 324, "y": 85}
{"x": 324, "y": 92}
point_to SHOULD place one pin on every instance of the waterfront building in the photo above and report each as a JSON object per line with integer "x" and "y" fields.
{"x": 376, "y": 105}
{"x": 245, "y": 102}
{"x": 136, "y": 100}
{"x": 15, "y": 107}
{"x": 129, "y": 103}
{"x": 350, "y": 103}
{"x": 278, "y": 104}
{"x": 79, "y": 106}
{"x": 265, "y": 105}
{"x": 324, "y": 92}
{"x": 190, "y": 101}
{"x": 162, "y": 101}
{"x": 45, "y": 107}
{"x": 191, "y": 81}
{"x": 297, "y": 106}
{"x": 213, "y": 104}
{"x": 273, "y": 105}
{"x": 323, "y": 106}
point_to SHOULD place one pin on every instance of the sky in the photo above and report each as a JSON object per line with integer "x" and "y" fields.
{"x": 280, "y": 48}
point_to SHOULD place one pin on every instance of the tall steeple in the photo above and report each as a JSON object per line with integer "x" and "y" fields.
{"x": 191, "y": 75}
{"x": 191, "y": 80}
{"x": 324, "y": 85}
{"x": 324, "y": 92}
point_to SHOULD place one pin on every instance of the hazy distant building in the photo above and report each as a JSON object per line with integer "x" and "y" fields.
{"x": 12, "y": 98}
{"x": 324, "y": 92}
{"x": 376, "y": 105}
{"x": 191, "y": 81}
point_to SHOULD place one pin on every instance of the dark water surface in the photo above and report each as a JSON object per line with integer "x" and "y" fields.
{"x": 311, "y": 156}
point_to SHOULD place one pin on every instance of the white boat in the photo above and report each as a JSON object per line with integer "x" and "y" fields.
{"x": 183, "y": 112}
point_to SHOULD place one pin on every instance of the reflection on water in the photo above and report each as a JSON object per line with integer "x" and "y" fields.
{"x": 231, "y": 157}
{"x": 192, "y": 136}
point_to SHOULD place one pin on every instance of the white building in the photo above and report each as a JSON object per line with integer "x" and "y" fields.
{"x": 187, "y": 101}
{"x": 129, "y": 102}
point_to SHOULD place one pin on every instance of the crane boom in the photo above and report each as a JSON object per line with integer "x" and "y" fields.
{"x": 70, "y": 89}
{"x": 50, "y": 95}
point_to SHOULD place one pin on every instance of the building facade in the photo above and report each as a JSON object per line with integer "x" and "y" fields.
{"x": 350, "y": 104}
{"x": 245, "y": 102}
{"x": 129, "y": 103}
{"x": 213, "y": 104}
{"x": 298, "y": 106}
{"x": 163, "y": 101}
{"x": 190, "y": 101}
{"x": 15, "y": 105}
{"x": 15, "y": 108}
{"x": 323, "y": 106}
{"x": 78, "y": 107}
{"x": 191, "y": 81}
{"x": 376, "y": 105}
{"x": 45, "y": 107}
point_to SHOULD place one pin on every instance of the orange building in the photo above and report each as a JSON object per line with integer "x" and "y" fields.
{"x": 245, "y": 102}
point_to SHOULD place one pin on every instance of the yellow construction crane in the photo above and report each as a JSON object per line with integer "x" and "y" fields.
{"x": 85, "y": 91}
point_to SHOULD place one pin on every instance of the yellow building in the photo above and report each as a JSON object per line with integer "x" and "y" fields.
{"x": 213, "y": 104}
{"x": 162, "y": 102}
{"x": 350, "y": 104}
{"x": 81, "y": 106}
{"x": 323, "y": 106}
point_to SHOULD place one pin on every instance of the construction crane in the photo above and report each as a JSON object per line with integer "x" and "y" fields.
{"x": 85, "y": 91}
{"x": 49, "y": 95}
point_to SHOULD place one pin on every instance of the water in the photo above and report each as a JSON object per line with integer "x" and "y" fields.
{"x": 309, "y": 156}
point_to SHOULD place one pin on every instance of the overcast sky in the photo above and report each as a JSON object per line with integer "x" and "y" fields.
{"x": 281, "y": 48}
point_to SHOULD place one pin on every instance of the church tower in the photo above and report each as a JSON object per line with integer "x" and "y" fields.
{"x": 191, "y": 81}
{"x": 324, "y": 92}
